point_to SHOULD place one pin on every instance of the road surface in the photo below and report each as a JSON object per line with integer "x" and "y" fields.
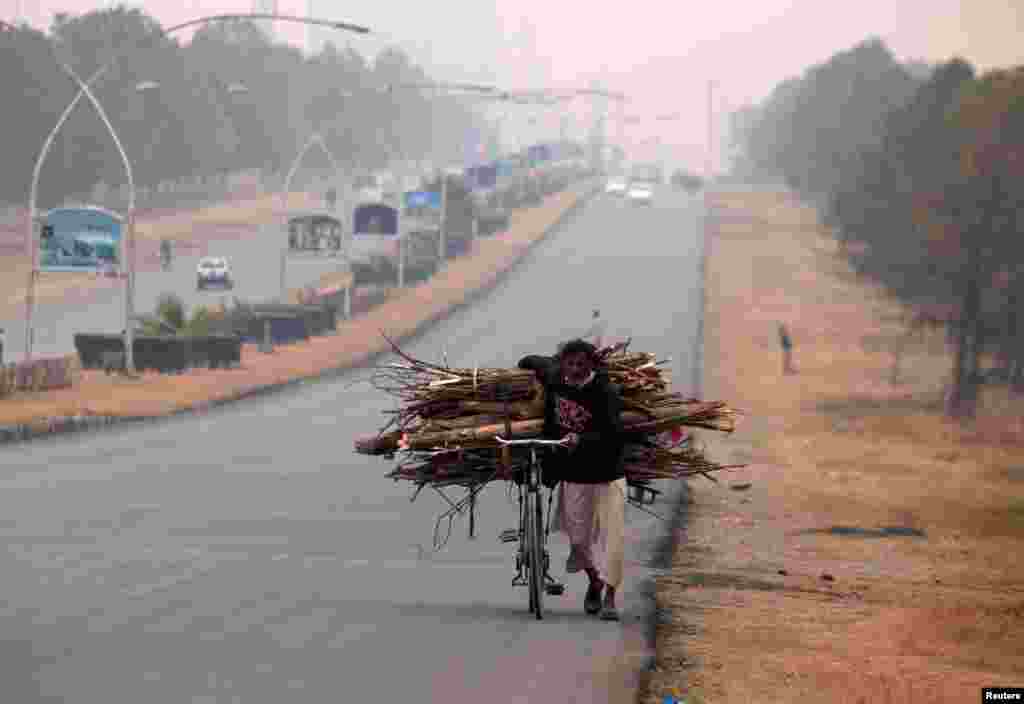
{"x": 255, "y": 261}
{"x": 250, "y": 556}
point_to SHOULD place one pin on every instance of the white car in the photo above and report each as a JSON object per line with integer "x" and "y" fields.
{"x": 215, "y": 271}
{"x": 615, "y": 187}
{"x": 640, "y": 194}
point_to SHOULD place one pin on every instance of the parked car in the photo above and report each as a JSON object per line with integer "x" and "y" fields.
{"x": 214, "y": 271}
{"x": 640, "y": 193}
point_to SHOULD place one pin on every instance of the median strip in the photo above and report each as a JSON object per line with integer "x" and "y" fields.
{"x": 99, "y": 400}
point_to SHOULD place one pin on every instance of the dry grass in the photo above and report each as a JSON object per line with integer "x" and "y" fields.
{"x": 935, "y": 617}
{"x": 357, "y": 340}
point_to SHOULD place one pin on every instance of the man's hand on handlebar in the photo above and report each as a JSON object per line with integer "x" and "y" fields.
{"x": 572, "y": 440}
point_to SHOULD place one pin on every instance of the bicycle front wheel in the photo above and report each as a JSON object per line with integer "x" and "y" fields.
{"x": 535, "y": 551}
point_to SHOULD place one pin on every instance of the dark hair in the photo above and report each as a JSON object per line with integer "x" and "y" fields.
{"x": 579, "y": 346}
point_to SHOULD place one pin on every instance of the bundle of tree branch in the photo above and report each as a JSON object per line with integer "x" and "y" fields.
{"x": 471, "y": 467}
{"x": 448, "y": 419}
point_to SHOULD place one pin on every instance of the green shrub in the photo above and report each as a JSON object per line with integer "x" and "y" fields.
{"x": 198, "y": 324}
{"x": 171, "y": 309}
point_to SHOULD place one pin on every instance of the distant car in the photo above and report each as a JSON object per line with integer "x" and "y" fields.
{"x": 640, "y": 194}
{"x": 214, "y": 271}
{"x": 687, "y": 181}
{"x": 616, "y": 187}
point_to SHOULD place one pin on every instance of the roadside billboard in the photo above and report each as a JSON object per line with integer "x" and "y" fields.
{"x": 375, "y": 231}
{"x": 539, "y": 154}
{"x": 421, "y": 201}
{"x": 474, "y": 149}
{"x": 80, "y": 239}
{"x": 482, "y": 177}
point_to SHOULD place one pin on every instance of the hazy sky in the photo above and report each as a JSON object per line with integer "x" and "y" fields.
{"x": 661, "y": 53}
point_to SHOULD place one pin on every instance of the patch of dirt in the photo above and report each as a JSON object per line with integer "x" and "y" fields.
{"x": 768, "y": 602}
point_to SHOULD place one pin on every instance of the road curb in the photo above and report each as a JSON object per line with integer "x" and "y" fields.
{"x": 666, "y": 547}
{"x": 67, "y": 425}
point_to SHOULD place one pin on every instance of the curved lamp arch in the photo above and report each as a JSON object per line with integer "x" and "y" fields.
{"x": 316, "y": 140}
{"x": 85, "y": 90}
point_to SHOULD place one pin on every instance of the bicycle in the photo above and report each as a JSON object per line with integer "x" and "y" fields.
{"x": 533, "y": 557}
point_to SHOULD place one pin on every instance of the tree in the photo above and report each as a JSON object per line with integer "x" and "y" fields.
{"x": 197, "y": 121}
{"x": 37, "y": 93}
{"x": 987, "y": 206}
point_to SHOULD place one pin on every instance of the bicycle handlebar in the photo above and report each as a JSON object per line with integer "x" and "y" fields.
{"x": 530, "y": 441}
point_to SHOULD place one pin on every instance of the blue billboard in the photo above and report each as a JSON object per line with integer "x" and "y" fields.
{"x": 375, "y": 219}
{"x": 482, "y": 177}
{"x": 538, "y": 153}
{"x": 421, "y": 200}
{"x": 83, "y": 239}
{"x": 474, "y": 149}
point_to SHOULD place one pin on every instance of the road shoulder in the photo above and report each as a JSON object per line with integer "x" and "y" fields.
{"x": 864, "y": 553}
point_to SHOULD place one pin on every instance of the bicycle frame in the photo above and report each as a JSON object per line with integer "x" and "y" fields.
{"x": 532, "y": 556}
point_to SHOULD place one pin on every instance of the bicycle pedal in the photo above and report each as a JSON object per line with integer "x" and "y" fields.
{"x": 509, "y": 536}
{"x": 555, "y": 589}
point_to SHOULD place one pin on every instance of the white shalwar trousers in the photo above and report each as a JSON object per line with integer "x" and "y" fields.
{"x": 594, "y": 518}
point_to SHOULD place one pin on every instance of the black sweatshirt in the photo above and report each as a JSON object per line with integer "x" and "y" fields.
{"x": 592, "y": 412}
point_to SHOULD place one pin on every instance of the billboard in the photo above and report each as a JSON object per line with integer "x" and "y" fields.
{"x": 314, "y": 232}
{"x": 474, "y": 149}
{"x": 421, "y": 200}
{"x": 82, "y": 239}
{"x": 482, "y": 177}
{"x": 375, "y": 231}
{"x": 375, "y": 219}
{"x": 538, "y": 153}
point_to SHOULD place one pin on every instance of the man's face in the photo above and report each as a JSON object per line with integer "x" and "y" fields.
{"x": 576, "y": 367}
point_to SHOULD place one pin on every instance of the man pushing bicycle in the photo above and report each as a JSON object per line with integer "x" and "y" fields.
{"x": 582, "y": 407}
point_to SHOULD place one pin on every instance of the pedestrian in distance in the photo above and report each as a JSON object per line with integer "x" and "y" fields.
{"x": 787, "y": 350}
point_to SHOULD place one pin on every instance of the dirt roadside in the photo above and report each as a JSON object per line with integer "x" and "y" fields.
{"x": 871, "y": 550}
{"x": 357, "y": 340}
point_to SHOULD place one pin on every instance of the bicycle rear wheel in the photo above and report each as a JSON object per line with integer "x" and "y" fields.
{"x": 535, "y": 552}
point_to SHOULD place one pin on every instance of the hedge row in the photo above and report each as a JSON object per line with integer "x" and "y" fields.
{"x": 162, "y": 354}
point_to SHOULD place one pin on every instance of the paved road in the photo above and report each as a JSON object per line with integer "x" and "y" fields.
{"x": 250, "y": 556}
{"x": 255, "y": 260}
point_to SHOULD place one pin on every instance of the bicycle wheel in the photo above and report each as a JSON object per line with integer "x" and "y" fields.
{"x": 535, "y": 552}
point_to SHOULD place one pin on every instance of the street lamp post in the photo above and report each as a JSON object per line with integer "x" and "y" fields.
{"x": 85, "y": 90}
{"x": 127, "y": 254}
{"x": 316, "y": 140}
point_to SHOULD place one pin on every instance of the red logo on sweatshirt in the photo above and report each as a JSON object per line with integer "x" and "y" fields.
{"x": 572, "y": 415}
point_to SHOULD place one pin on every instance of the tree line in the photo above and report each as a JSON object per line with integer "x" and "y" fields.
{"x": 228, "y": 99}
{"x": 919, "y": 170}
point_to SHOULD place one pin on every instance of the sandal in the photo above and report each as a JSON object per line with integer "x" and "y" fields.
{"x": 609, "y": 613}
{"x": 592, "y": 601}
